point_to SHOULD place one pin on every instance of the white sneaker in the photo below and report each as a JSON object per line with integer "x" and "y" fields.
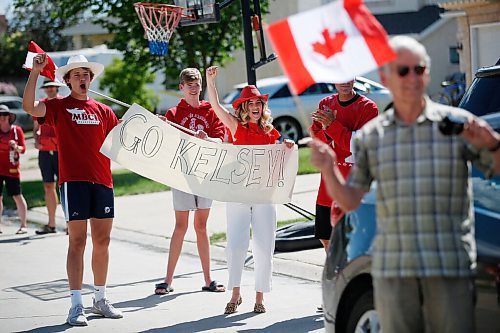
{"x": 104, "y": 308}
{"x": 76, "y": 317}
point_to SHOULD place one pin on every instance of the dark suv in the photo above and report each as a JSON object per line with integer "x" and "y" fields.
{"x": 347, "y": 283}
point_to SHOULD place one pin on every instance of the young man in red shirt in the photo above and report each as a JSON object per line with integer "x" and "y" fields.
{"x": 81, "y": 125}
{"x": 11, "y": 145}
{"x": 46, "y": 143}
{"x": 335, "y": 121}
{"x": 199, "y": 117}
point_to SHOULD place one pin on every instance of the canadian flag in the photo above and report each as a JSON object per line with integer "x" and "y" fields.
{"x": 49, "y": 71}
{"x": 331, "y": 43}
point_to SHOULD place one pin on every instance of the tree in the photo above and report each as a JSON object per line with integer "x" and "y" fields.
{"x": 37, "y": 20}
{"x": 194, "y": 46}
{"x": 127, "y": 82}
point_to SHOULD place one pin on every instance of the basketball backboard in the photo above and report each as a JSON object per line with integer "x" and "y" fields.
{"x": 199, "y": 11}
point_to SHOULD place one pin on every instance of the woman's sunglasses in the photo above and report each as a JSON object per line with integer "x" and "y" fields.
{"x": 3, "y": 114}
{"x": 404, "y": 70}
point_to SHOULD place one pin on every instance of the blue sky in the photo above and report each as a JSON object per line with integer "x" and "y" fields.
{"x": 3, "y": 5}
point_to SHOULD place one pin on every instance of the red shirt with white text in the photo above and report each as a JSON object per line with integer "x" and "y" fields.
{"x": 81, "y": 127}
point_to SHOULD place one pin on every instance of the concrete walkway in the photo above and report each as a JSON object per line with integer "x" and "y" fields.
{"x": 153, "y": 215}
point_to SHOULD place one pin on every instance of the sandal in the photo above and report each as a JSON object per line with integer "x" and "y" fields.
{"x": 46, "y": 230}
{"x": 214, "y": 287}
{"x": 163, "y": 288}
{"x": 259, "y": 308}
{"x": 231, "y": 307}
{"x": 22, "y": 230}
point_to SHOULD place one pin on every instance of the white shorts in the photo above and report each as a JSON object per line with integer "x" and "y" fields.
{"x": 185, "y": 201}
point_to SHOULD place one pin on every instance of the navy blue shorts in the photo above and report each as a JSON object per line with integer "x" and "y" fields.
{"x": 12, "y": 184}
{"x": 85, "y": 200}
{"x": 47, "y": 161}
{"x": 322, "y": 224}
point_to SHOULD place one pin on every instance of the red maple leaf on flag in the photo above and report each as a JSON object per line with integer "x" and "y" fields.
{"x": 332, "y": 44}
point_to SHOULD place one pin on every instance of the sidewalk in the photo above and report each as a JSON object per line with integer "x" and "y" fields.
{"x": 153, "y": 215}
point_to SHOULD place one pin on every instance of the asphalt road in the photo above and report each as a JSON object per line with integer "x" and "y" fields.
{"x": 34, "y": 295}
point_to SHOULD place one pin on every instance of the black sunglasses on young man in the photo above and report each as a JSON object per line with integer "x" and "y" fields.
{"x": 4, "y": 114}
{"x": 404, "y": 70}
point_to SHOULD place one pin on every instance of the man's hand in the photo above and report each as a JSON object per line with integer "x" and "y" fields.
{"x": 289, "y": 143}
{"x": 39, "y": 62}
{"x": 201, "y": 134}
{"x": 480, "y": 134}
{"x": 322, "y": 156}
{"x": 326, "y": 116}
{"x": 211, "y": 74}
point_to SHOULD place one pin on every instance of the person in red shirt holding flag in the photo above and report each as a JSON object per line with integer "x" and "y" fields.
{"x": 81, "y": 125}
{"x": 251, "y": 125}
{"x": 11, "y": 145}
{"x": 199, "y": 117}
{"x": 335, "y": 122}
{"x": 46, "y": 143}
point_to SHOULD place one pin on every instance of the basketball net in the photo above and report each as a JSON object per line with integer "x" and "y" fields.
{"x": 159, "y": 22}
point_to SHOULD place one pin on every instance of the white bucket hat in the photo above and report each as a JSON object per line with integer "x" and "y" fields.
{"x": 79, "y": 61}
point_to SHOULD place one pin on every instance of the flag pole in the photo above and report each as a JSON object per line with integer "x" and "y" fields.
{"x": 128, "y": 106}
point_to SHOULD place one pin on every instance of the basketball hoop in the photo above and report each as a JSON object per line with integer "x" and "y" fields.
{"x": 159, "y": 22}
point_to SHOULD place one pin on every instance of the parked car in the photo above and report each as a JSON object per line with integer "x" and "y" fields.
{"x": 15, "y": 104}
{"x": 288, "y": 120}
{"x": 347, "y": 283}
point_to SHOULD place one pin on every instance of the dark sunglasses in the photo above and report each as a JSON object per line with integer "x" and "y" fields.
{"x": 4, "y": 114}
{"x": 404, "y": 70}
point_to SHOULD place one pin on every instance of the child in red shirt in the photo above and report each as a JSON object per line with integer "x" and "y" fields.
{"x": 81, "y": 125}
{"x": 11, "y": 145}
{"x": 335, "y": 122}
{"x": 199, "y": 117}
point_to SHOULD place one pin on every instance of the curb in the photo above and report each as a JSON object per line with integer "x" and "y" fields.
{"x": 283, "y": 263}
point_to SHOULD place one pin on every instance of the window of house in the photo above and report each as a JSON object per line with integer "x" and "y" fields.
{"x": 453, "y": 55}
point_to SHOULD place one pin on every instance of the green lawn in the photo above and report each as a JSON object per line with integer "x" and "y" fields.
{"x": 221, "y": 236}
{"x": 128, "y": 183}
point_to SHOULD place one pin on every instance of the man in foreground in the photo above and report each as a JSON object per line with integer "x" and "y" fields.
{"x": 424, "y": 250}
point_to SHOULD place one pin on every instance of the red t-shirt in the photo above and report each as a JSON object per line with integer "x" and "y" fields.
{"x": 9, "y": 159}
{"x": 253, "y": 134}
{"x": 81, "y": 127}
{"x": 46, "y": 134}
{"x": 351, "y": 116}
{"x": 200, "y": 118}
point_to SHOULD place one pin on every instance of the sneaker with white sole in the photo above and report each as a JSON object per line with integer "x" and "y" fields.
{"x": 76, "y": 317}
{"x": 104, "y": 308}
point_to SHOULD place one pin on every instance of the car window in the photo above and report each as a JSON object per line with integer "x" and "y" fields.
{"x": 329, "y": 88}
{"x": 231, "y": 96}
{"x": 360, "y": 87}
{"x": 282, "y": 92}
{"x": 487, "y": 191}
{"x": 312, "y": 90}
{"x": 483, "y": 96}
{"x": 12, "y": 104}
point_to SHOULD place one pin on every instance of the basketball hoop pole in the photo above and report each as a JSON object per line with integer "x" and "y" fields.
{"x": 248, "y": 39}
{"x": 187, "y": 130}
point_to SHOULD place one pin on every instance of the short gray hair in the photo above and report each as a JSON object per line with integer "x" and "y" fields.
{"x": 399, "y": 43}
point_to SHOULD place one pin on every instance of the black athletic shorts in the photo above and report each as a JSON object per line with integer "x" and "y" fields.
{"x": 322, "y": 224}
{"x": 47, "y": 161}
{"x": 84, "y": 200}
{"x": 12, "y": 184}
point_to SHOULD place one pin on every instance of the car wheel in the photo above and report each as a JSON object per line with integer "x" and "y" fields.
{"x": 289, "y": 128}
{"x": 363, "y": 317}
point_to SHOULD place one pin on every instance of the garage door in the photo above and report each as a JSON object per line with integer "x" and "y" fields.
{"x": 485, "y": 49}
